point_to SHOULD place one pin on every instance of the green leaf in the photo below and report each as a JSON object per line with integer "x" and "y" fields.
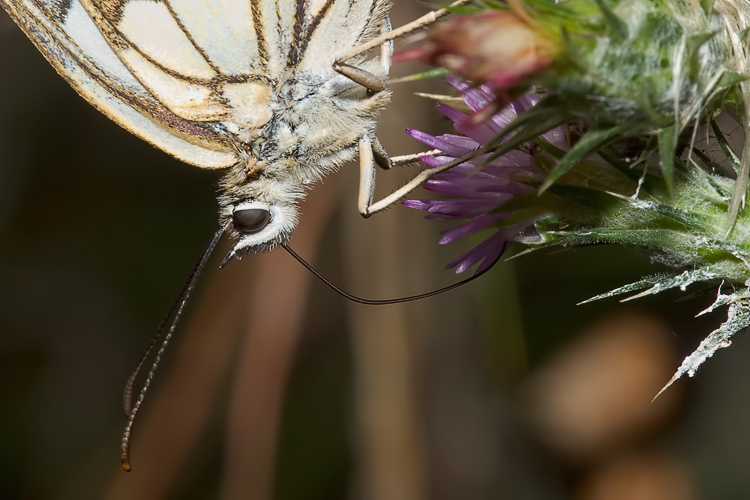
{"x": 739, "y": 195}
{"x": 495, "y": 4}
{"x": 531, "y": 213}
{"x": 550, "y": 108}
{"x": 618, "y": 25}
{"x": 734, "y": 104}
{"x": 587, "y": 145}
{"x": 463, "y": 9}
{"x": 726, "y": 148}
{"x": 572, "y": 54}
{"x": 530, "y": 206}
{"x": 707, "y": 161}
{"x": 729, "y": 79}
{"x": 528, "y": 133}
{"x": 708, "y": 6}
{"x": 667, "y": 145}
{"x": 613, "y": 157}
{"x": 695, "y": 42}
{"x": 590, "y": 198}
{"x": 655, "y": 238}
{"x": 425, "y": 75}
{"x": 550, "y": 148}
{"x": 572, "y": 13}
{"x": 683, "y": 217}
{"x": 721, "y": 192}
{"x": 516, "y": 203}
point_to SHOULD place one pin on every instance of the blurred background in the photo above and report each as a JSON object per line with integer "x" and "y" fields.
{"x": 276, "y": 388}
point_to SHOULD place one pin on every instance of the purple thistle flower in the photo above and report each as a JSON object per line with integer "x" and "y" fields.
{"x": 474, "y": 191}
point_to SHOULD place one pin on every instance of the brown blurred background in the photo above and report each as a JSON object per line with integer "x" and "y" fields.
{"x": 276, "y": 388}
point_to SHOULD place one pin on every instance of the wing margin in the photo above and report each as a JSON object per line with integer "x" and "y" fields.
{"x": 120, "y": 98}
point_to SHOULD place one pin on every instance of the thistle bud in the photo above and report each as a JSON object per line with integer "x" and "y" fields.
{"x": 495, "y": 48}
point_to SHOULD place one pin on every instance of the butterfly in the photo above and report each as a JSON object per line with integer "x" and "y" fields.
{"x": 251, "y": 87}
{"x": 274, "y": 93}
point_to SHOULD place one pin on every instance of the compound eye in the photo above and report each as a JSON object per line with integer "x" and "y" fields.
{"x": 251, "y": 220}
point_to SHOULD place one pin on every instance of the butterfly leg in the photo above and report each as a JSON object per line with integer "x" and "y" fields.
{"x": 367, "y": 162}
{"x": 371, "y": 154}
{"x": 370, "y": 81}
{"x": 400, "y": 161}
{"x": 380, "y": 155}
{"x": 367, "y": 177}
{"x": 425, "y": 20}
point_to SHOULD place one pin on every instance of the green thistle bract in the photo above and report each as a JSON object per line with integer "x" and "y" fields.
{"x": 636, "y": 83}
{"x": 656, "y": 70}
{"x": 635, "y": 68}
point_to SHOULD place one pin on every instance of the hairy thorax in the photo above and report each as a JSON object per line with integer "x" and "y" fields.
{"x": 299, "y": 131}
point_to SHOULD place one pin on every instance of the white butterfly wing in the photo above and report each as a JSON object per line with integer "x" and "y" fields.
{"x": 173, "y": 72}
{"x": 71, "y": 42}
{"x": 333, "y": 27}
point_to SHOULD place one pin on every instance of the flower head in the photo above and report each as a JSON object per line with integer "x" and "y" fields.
{"x": 475, "y": 192}
{"x": 494, "y": 48}
{"x": 633, "y": 82}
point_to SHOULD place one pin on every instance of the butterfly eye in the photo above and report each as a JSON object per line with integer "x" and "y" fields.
{"x": 251, "y": 220}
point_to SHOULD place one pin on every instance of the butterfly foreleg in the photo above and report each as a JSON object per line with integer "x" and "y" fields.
{"x": 367, "y": 162}
{"x": 367, "y": 174}
{"x": 370, "y": 81}
{"x": 380, "y": 155}
{"x": 412, "y": 159}
{"x": 371, "y": 152}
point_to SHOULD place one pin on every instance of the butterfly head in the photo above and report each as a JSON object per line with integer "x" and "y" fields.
{"x": 258, "y": 226}
{"x": 259, "y": 213}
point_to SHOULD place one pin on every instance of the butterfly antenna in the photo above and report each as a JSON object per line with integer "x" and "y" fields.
{"x": 175, "y": 310}
{"x": 384, "y": 302}
{"x": 127, "y": 397}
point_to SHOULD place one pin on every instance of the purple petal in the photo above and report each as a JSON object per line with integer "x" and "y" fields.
{"x": 416, "y": 204}
{"x": 490, "y": 247}
{"x": 457, "y": 83}
{"x": 511, "y": 189}
{"x": 438, "y": 143}
{"x": 469, "y": 228}
{"x": 460, "y": 141}
{"x": 481, "y": 132}
{"x": 476, "y": 99}
{"x": 523, "y": 103}
{"x": 491, "y": 258}
{"x": 438, "y": 161}
{"x": 489, "y": 250}
{"x": 488, "y": 198}
{"x": 439, "y": 216}
{"x": 475, "y": 189}
{"x": 557, "y": 136}
{"x": 453, "y": 114}
{"x": 515, "y": 157}
{"x": 467, "y": 208}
